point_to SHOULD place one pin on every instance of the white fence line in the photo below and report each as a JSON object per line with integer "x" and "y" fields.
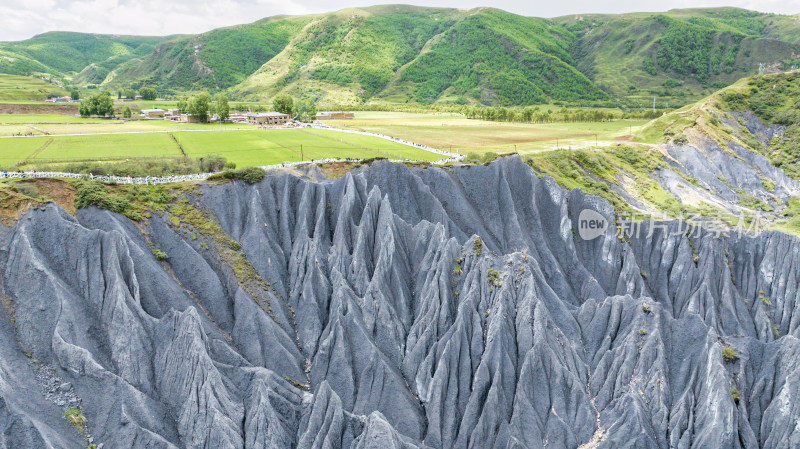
{"x": 106, "y": 179}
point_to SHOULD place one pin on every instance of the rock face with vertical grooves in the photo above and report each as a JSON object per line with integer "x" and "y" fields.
{"x": 401, "y": 308}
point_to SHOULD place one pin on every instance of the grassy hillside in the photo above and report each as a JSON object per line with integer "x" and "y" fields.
{"x": 679, "y": 55}
{"x": 500, "y": 58}
{"x": 775, "y": 99}
{"x": 488, "y": 56}
{"x": 65, "y": 54}
{"x": 215, "y": 60}
{"x": 14, "y": 87}
{"x": 350, "y": 55}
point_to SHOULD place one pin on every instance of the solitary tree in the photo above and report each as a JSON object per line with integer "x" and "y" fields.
{"x": 105, "y": 105}
{"x": 75, "y": 95}
{"x": 283, "y": 103}
{"x": 148, "y": 93}
{"x": 198, "y": 106}
{"x": 126, "y": 112}
{"x": 98, "y": 104}
{"x": 223, "y": 109}
{"x": 305, "y": 110}
{"x": 129, "y": 93}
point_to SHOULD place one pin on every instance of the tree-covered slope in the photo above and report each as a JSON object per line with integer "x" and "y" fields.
{"x": 400, "y": 53}
{"x": 350, "y": 55}
{"x": 218, "y": 59}
{"x": 67, "y": 53}
{"x": 681, "y": 53}
{"x": 492, "y": 57}
{"x": 496, "y": 57}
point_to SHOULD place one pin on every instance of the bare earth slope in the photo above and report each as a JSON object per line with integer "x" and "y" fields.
{"x": 373, "y": 293}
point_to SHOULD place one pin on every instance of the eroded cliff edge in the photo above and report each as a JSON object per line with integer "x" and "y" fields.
{"x": 395, "y": 307}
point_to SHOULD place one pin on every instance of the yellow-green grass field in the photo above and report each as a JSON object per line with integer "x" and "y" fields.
{"x": 48, "y": 118}
{"x": 44, "y": 124}
{"x": 27, "y": 88}
{"x": 112, "y": 126}
{"x": 245, "y": 148}
{"x": 453, "y": 131}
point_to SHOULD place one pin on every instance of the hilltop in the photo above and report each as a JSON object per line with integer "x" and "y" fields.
{"x": 400, "y": 54}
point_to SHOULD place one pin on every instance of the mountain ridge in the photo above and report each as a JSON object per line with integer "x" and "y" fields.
{"x": 602, "y": 59}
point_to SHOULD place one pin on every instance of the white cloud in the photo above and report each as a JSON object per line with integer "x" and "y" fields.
{"x": 21, "y": 19}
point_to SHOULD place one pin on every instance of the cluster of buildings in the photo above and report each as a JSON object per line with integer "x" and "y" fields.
{"x": 174, "y": 115}
{"x": 253, "y": 118}
{"x": 64, "y": 99}
{"x": 335, "y": 115}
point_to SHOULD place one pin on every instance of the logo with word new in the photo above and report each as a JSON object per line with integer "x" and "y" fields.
{"x": 591, "y": 224}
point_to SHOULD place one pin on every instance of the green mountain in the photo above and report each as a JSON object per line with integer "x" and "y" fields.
{"x": 681, "y": 53}
{"x": 408, "y": 54}
{"x": 88, "y": 58}
{"x": 399, "y": 54}
{"x": 218, "y": 59}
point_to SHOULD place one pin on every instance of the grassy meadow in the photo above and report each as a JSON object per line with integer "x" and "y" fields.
{"x": 26, "y": 88}
{"x": 457, "y": 133}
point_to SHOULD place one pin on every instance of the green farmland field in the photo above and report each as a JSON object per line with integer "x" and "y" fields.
{"x": 98, "y": 147}
{"x": 244, "y": 148}
{"x": 276, "y": 146}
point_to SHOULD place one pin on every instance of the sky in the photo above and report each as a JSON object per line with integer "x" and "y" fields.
{"x": 22, "y": 19}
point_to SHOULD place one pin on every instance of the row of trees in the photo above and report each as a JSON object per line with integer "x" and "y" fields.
{"x": 203, "y": 105}
{"x": 536, "y": 115}
{"x": 147, "y": 93}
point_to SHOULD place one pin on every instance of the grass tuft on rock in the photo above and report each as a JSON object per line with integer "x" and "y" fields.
{"x": 729, "y": 354}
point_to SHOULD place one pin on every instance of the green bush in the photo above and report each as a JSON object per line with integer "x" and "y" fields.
{"x": 250, "y": 175}
{"x": 160, "y": 255}
{"x": 76, "y": 418}
{"x": 680, "y": 139}
{"x": 729, "y": 354}
{"x": 493, "y": 278}
{"x": 92, "y": 193}
{"x": 477, "y": 246}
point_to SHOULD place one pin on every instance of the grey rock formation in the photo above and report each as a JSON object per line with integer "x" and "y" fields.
{"x": 401, "y": 308}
